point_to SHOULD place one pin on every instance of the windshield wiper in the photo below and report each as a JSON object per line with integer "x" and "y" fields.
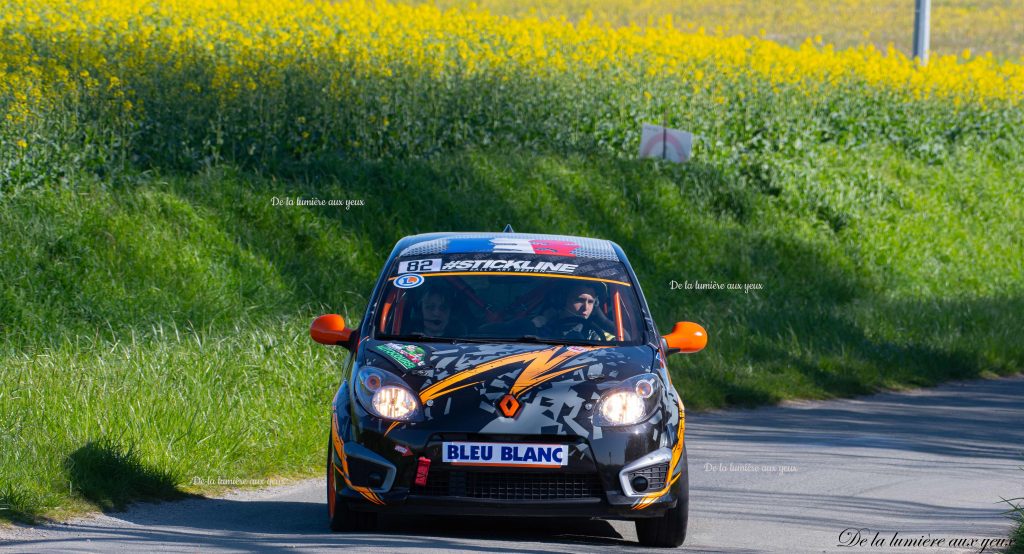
{"x": 417, "y": 336}
{"x": 529, "y": 338}
{"x": 537, "y": 339}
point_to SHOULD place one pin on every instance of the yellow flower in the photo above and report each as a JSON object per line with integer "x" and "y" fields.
{"x": 22, "y": 144}
{"x": 260, "y": 50}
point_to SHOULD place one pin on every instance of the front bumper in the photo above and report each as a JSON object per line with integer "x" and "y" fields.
{"x": 382, "y": 464}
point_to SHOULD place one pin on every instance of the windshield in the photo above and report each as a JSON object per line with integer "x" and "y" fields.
{"x": 509, "y": 297}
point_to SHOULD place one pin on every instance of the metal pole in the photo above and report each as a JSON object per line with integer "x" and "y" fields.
{"x": 922, "y": 21}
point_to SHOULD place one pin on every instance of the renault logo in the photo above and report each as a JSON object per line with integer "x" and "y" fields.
{"x": 508, "y": 405}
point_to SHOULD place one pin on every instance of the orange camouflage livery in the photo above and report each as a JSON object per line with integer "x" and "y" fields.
{"x": 339, "y": 447}
{"x": 540, "y": 370}
{"x": 677, "y": 453}
{"x": 391, "y": 427}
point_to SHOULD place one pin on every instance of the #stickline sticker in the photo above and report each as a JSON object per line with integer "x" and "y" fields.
{"x": 521, "y": 266}
{"x": 408, "y": 356}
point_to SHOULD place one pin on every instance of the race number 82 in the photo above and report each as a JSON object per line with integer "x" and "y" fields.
{"x": 419, "y": 266}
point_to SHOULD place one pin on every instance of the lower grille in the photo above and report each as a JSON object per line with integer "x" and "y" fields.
{"x": 655, "y": 475}
{"x": 511, "y": 485}
{"x": 364, "y": 473}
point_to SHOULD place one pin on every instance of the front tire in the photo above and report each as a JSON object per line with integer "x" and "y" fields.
{"x": 669, "y": 530}
{"x": 341, "y": 517}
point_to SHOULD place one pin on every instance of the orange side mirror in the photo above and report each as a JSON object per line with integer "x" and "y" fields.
{"x": 686, "y": 337}
{"x": 330, "y": 329}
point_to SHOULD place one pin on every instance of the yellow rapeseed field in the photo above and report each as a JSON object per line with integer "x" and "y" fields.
{"x": 111, "y": 60}
{"x": 51, "y": 44}
{"x": 977, "y": 26}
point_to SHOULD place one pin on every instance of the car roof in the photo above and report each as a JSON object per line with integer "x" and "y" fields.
{"x": 512, "y": 243}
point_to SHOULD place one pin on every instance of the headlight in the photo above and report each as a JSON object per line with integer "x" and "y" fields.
{"x": 629, "y": 402}
{"x": 393, "y": 402}
{"x": 622, "y": 408}
{"x": 386, "y": 395}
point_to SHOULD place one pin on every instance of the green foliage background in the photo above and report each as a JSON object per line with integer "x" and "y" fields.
{"x": 154, "y": 303}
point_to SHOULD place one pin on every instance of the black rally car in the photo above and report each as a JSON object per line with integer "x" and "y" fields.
{"x": 508, "y": 374}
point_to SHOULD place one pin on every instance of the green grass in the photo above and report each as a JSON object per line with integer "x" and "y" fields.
{"x": 1017, "y": 535}
{"x": 166, "y": 317}
{"x": 1016, "y": 512}
{"x": 154, "y": 303}
{"x": 110, "y": 475}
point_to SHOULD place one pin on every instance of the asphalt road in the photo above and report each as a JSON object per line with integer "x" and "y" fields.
{"x": 931, "y": 463}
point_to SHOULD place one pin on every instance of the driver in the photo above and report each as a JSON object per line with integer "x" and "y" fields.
{"x": 436, "y": 310}
{"x": 580, "y": 301}
{"x": 573, "y": 320}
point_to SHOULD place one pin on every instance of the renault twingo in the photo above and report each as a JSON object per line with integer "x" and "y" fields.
{"x": 508, "y": 374}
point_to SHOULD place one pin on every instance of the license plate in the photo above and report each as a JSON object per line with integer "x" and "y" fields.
{"x": 504, "y": 454}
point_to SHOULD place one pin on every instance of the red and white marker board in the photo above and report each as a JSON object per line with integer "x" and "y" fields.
{"x": 668, "y": 144}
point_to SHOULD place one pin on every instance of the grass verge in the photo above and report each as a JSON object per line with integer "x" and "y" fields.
{"x": 161, "y": 323}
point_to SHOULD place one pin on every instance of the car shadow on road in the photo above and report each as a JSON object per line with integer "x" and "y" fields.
{"x": 282, "y": 526}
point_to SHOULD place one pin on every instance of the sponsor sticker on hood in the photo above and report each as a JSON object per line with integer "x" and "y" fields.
{"x": 408, "y": 356}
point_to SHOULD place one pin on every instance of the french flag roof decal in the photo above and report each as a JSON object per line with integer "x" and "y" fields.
{"x": 514, "y": 243}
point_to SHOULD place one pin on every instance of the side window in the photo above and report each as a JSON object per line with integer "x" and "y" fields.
{"x": 618, "y": 315}
{"x": 387, "y": 311}
{"x": 624, "y": 313}
{"x": 393, "y": 312}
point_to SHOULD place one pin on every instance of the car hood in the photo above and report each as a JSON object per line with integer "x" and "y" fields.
{"x": 463, "y": 384}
